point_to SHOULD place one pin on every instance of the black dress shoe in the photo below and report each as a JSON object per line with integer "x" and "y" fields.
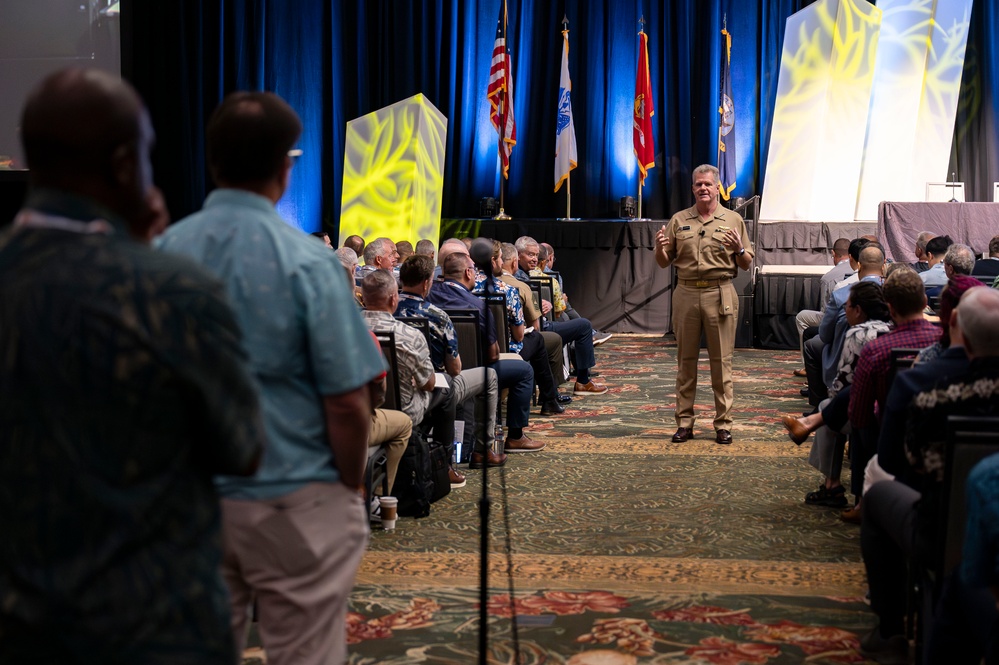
{"x": 683, "y": 434}
{"x": 804, "y": 392}
{"x": 723, "y": 436}
{"x": 563, "y": 398}
{"x": 552, "y": 409}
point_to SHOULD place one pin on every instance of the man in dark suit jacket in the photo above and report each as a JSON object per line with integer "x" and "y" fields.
{"x": 988, "y": 267}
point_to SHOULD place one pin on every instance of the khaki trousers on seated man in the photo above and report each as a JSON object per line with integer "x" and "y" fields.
{"x": 393, "y": 428}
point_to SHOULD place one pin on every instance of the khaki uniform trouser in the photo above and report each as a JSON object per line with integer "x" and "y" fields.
{"x": 698, "y": 310}
{"x": 393, "y": 428}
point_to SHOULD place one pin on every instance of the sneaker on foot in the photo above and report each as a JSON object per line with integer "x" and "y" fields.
{"x": 600, "y": 337}
{"x": 892, "y": 650}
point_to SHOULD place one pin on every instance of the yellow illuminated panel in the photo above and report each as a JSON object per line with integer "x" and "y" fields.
{"x": 916, "y": 89}
{"x": 821, "y": 111}
{"x": 393, "y": 173}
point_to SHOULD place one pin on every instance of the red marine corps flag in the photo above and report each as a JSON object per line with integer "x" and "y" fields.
{"x": 500, "y": 94}
{"x": 642, "y": 121}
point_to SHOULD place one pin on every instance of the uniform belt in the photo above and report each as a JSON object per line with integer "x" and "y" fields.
{"x": 704, "y": 283}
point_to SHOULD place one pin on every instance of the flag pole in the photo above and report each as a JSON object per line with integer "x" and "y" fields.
{"x": 568, "y": 176}
{"x": 641, "y": 182}
{"x": 502, "y": 129}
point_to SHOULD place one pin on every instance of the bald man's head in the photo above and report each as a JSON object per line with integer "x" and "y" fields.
{"x": 85, "y": 131}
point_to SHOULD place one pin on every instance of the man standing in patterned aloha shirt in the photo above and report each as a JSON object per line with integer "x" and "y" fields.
{"x": 123, "y": 388}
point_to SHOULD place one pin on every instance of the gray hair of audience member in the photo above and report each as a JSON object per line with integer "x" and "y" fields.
{"x": 923, "y": 238}
{"x": 871, "y": 258}
{"x": 356, "y": 243}
{"x": 415, "y": 270}
{"x": 897, "y": 267}
{"x": 978, "y": 318}
{"x": 523, "y": 242}
{"x": 507, "y": 252}
{"x": 467, "y": 242}
{"x": 960, "y": 258}
{"x": 905, "y": 292}
{"x": 706, "y": 168}
{"x": 455, "y": 265}
{"x": 994, "y": 247}
{"x": 249, "y": 136}
{"x": 375, "y": 248}
{"x": 87, "y": 132}
{"x": 347, "y": 257}
{"x": 450, "y": 246}
{"x": 377, "y": 287}
{"x": 425, "y": 247}
{"x": 542, "y": 252}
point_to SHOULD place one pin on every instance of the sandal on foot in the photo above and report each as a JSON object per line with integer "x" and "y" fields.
{"x": 824, "y": 496}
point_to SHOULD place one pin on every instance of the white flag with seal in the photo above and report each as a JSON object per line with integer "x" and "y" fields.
{"x": 565, "y": 131}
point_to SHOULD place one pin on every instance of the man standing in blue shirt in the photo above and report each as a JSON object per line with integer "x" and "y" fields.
{"x": 293, "y": 535}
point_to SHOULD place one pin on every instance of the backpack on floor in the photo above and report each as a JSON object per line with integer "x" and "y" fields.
{"x": 422, "y": 477}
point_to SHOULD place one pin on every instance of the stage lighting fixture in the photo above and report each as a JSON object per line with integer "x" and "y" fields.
{"x": 627, "y": 208}
{"x": 488, "y": 207}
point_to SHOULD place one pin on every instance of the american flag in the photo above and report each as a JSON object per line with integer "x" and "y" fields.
{"x": 500, "y": 94}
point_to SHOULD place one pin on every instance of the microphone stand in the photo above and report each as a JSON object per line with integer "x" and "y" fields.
{"x": 485, "y": 504}
{"x": 953, "y": 185}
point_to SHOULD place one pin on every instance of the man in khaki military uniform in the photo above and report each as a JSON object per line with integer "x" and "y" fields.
{"x": 707, "y": 245}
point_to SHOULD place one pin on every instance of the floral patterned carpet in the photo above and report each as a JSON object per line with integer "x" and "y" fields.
{"x": 625, "y": 547}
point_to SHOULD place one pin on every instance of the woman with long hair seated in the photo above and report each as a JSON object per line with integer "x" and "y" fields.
{"x": 867, "y": 314}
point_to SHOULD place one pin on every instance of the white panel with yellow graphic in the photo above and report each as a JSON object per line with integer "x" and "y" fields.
{"x": 916, "y": 84}
{"x": 393, "y": 173}
{"x": 821, "y": 111}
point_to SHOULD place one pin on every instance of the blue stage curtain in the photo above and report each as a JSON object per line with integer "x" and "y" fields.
{"x": 336, "y": 60}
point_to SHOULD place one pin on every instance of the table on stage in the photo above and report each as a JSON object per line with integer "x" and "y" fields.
{"x": 782, "y": 292}
{"x": 608, "y": 266}
{"x": 972, "y": 224}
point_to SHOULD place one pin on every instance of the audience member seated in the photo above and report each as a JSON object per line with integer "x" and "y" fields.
{"x": 822, "y": 351}
{"x": 902, "y": 522}
{"x": 578, "y": 330}
{"x": 811, "y": 318}
{"x": 528, "y": 343}
{"x": 404, "y": 248}
{"x": 966, "y": 618}
{"x": 958, "y": 260}
{"x": 532, "y": 319}
{"x": 379, "y": 254}
{"x": 426, "y": 248}
{"x": 447, "y": 248}
{"x": 324, "y": 237}
{"x": 348, "y": 259}
{"x": 389, "y": 428}
{"x": 906, "y": 300}
{"x": 936, "y": 248}
{"x": 455, "y": 292}
{"x": 989, "y": 266}
{"x": 416, "y": 275}
{"x": 949, "y": 360}
{"x": 868, "y": 317}
{"x": 356, "y": 243}
{"x": 421, "y": 398}
{"x": 920, "y": 264}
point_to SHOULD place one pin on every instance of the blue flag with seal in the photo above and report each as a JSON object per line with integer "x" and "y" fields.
{"x": 726, "y": 127}
{"x": 565, "y": 131}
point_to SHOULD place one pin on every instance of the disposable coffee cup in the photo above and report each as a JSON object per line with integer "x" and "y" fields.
{"x": 389, "y": 505}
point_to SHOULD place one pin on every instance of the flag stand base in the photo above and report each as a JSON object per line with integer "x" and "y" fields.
{"x": 568, "y": 219}
{"x": 502, "y": 215}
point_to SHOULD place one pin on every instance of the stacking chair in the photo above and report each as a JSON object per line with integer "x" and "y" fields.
{"x": 466, "y": 326}
{"x": 420, "y": 323}
{"x": 377, "y": 471}
{"x": 901, "y": 360}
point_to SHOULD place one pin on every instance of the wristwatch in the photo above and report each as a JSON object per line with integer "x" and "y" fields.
{"x": 741, "y": 252}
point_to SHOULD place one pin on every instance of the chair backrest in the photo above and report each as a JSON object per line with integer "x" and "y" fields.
{"x": 386, "y": 339}
{"x": 972, "y": 439}
{"x": 420, "y": 323}
{"x": 466, "y": 325}
{"x": 901, "y": 360}
{"x": 545, "y": 285}
{"x": 536, "y": 297}
{"x": 497, "y": 307}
